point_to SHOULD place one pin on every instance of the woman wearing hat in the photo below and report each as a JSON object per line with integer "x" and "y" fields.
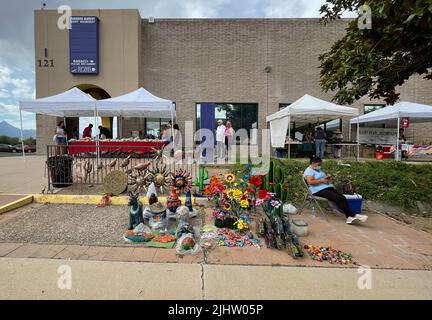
{"x": 337, "y": 138}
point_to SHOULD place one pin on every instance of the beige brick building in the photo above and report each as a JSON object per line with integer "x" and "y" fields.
{"x": 193, "y": 61}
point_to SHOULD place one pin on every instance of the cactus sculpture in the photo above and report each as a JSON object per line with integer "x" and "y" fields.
{"x": 202, "y": 176}
{"x": 274, "y": 182}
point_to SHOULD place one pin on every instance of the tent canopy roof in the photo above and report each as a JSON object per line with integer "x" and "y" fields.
{"x": 309, "y": 107}
{"x": 415, "y": 111}
{"x": 138, "y": 103}
{"x": 71, "y": 103}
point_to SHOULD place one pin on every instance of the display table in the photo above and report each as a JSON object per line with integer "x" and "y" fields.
{"x": 139, "y": 147}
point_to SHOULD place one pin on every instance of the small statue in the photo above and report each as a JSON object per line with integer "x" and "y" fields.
{"x": 135, "y": 210}
{"x": 188, "y": 201}
{"x": 152, "y": 199}
{"x": 173, "y": 201}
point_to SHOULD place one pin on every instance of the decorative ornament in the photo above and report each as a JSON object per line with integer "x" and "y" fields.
{"x": 125, "y": 162}
{"x": 182, "y": 180}
{"x": 173, "y": 201}
{"x": 161, "y": 177}
{"x": 142, "y": 166}
{"x": 115, "y": 182}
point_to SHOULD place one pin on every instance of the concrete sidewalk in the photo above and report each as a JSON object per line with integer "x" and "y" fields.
{"x": 22, "y": 175}
{"x": 38, "y": 279}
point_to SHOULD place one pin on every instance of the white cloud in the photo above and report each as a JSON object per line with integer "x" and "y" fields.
{"x": 14, "y": 87}
{"x": 4, "y": 94}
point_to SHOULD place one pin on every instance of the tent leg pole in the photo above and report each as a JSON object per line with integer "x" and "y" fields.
{"x": 349, "y": 138}
{"x": 398, "y": 137}
{"x": 22, "y": 138}
{"x": 358, "y": 140}
{"x": 289, "y": 138}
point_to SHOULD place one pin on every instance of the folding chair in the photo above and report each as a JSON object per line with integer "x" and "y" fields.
{"x": 311, "y": 200}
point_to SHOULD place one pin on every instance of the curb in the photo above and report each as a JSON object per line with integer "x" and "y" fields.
{"x": 89, "y": 199}
{"x": 16, "y": 204}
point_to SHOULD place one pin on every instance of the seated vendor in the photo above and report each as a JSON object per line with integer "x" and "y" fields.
{"x": 320, "y": 186}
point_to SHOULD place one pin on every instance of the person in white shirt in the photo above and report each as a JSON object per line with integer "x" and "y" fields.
{"x": 220, "y": 139}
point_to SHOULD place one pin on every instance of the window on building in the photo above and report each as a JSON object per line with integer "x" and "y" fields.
{"x": 283, "y": 105}
{"x": 372, "y": 107}
{"x": 153, "y": 126}
{"x": 241, "y": 115}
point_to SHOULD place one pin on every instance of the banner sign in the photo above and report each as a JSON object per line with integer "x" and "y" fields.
{"x": 84, "y": 45}
{"x": 386, "y": 136}
{"x": 207, "y": 121}
{"x": 405, "y": 122}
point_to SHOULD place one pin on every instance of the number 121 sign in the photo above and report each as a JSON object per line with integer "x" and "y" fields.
{"x": 405, "y": 122}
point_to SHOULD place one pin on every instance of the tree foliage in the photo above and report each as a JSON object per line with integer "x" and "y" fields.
{"x": 374, "y": 62}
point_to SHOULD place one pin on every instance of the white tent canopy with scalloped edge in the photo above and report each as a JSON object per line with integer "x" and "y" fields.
{"x": 71, "y": 103}
{"x": 304, "y": 110}
{"x": 138, "y": 103}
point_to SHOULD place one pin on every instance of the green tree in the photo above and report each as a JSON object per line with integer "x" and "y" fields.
{"x": 375, "y": 61}
{"x": 9, "y": 140}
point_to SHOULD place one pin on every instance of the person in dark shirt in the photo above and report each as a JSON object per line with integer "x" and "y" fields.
{"x": 104, "y": 131}
{"x": 87, "y": 133}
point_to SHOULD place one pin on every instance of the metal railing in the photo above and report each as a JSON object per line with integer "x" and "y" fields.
{"x": 80, "y": 164}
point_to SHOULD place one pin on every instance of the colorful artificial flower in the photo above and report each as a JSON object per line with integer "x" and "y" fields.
{"x": 230, "y": 193}
{"x": 250, "y": 190}
{"x": 256, "y": 181}
{"x": 230, "y": 177}
{"x": 241, "y": 224}
{"x": 238, "y": 193}
{"x": 275, "y": 203}
{"x": 227, "y": 206}
{"x": 244, "y": 203}
{"x": 264, "y": 194}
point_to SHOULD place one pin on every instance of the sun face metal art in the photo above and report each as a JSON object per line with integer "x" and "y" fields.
{"x": 161, "y": 177}
{"x": 158, "y": 154}
{"x": 138, "y": 179}
{"x": 182, "y": 180}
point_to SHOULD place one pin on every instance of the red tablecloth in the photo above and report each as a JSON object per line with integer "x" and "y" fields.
{"x": 139, "y": 147}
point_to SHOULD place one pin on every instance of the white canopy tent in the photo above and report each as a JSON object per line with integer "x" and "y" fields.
{"x": 76, "y": 103}
{"x": 303, "y": 110}
{"x": 137, "y": 103}
{"x": 71, "y": 103}
{"x": 415, "y": 111}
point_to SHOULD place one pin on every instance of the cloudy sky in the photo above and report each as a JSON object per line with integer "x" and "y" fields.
{"x": 17, "y": 43}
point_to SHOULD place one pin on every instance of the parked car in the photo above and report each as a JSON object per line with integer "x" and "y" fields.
{"x": 7, "y": 148}
{"x": 27, "y": 148}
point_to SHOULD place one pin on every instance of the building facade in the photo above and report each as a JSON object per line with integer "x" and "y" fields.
{"x": 249, "y": 68}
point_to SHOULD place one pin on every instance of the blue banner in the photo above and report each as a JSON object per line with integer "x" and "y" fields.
{"x": 207, "y": 121}
{"x": 84, "y": 45}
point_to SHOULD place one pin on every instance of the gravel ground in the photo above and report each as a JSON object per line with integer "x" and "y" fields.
{"x": 68, "y": 224}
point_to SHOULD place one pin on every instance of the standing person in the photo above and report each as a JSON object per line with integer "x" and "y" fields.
{"x": 177, "y": 139}
{"x": 220, "y": 139}
{"x": 229, "y": 136}
{"x": 320, "y": 142}
{"x": 60, "y": 137}
{"x": 75, "y": 133}
{"x": 87, "y": 133}
{"x": 337, "y": 138}
{"x": 320, "y": 186}
{"x": 166, "y": 134}
{"x": 104, "y": 133}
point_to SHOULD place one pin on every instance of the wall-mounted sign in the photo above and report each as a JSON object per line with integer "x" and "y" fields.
{"x": 84, "y": 45}
{"x": 405, "y": 122}
{"x": 386, "y": 136}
